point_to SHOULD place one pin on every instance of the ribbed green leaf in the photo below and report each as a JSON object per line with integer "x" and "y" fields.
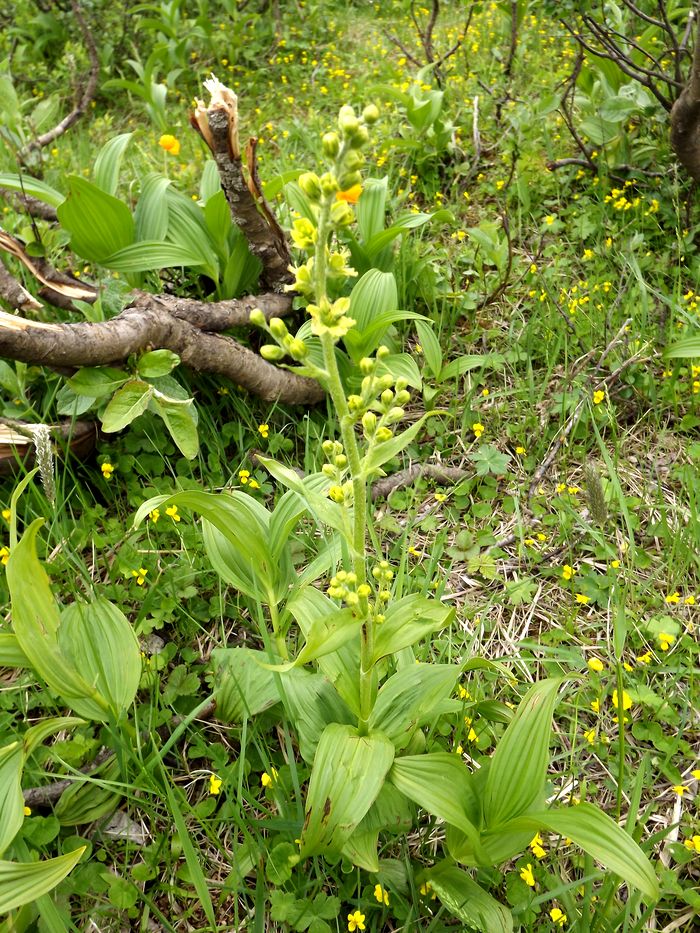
{"x": 689, "y": 347}
{"x": 440, "y": 783}
{"x": 11, "y": 799}
{"x": 242, "y": 686}
{"x": 432, "y": 352}
{"x": 375, "y": 294}
{"x": 407, "y": 621}
{"x": 99, "y": 640}
{"x": 108, "y": 162}
{"x": 88, "y": 800}
{"x": 464, "y": 364}
{"x": 11, "y": 655}
{"x": 325, "y": 636}
{"x": 35, "y": 619}
{"x": 518, "y": 768}
{"x": 310, "y": 491}
{"x": 98, "y": 223}
{"x": 151, "y": 212}
{"x": 465, "y": 899}
{"x": 387, "y": 450}
{"x": 146, "y": 255}
{"x": 599, "y": 836}
{"x": 313, "y": 704}
{"x": 403, "y": 224}
{"x": 33, "y": 187}
{"x": 23, "y": 882}
{"x": 371, "y": 207}
{"x": 347, "y": 775}
{"x": 408, "y": 698}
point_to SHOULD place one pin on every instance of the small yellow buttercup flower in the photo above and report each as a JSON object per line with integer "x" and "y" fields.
{"x": 244, "y": 476}
{"x": 381, "y": 894}
{"x": 567, "y": 572}
{"x": 679, "y": 789}
{"x": 598, "y": 397}
{"x": 558, "y": 916}
{"x": 215, "y": 783}
{"x": 520, "y": 449}
{"x": 644, "y": 658}
{"x": 107, "y": 470}
{"x": 356, "y": 921}
{"x": 590, "y": 736}
{"x": 595, "y": 664}
{"x": 527, "y": 876}
{"x": 264, "y": 430}
{"x": 170, "y": 144}
{"x": 673, "y": 597}
{"x": 595, "y": 706}
{"x": 478, "y": 429}
{"x": 27, "y": 811}
{"x": 267, "y": 780}
{"x": 626, "y": 700}
{"x": 582, "y": 598}
{"x": 536, "y": 846}
{"x": 693, "y": 843}
{"x": 253, "y": 484}
{"x": 173, "y": 513}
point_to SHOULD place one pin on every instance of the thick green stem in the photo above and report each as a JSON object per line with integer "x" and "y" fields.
{"x": 358, "y": 478}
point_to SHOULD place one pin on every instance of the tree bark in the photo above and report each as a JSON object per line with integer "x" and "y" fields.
{"x": 685, "y": 115}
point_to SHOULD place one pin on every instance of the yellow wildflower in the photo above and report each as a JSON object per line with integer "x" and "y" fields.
{"x": 567, "y": 572}
{"x": 140, "y": 575}
{"x": 170, "y": 144}
{"x": 215, "y": 783}
{"x": 27, "y": 811}
{"x": 689, "y": 600}
{"x": 582, "y": 598}
{"x": 267, "y": 780}
{"x": 264, "y": 430}
{"x": 679, "y": 789}
{"x": 693, "y": 843}
{"x": 172, "y": 512}
{"x": 154, "y": 515}
{"x": 244, "y": 476}
{"x": 527, "y": 876}
{"x": 4, "y": 554}
{"x": 253, "y": 484}
{"x": 673, "y": 597}
{"x": 695, "y": 774}
{"x": 381, "y": 894}
{"x": 595, "y": 706}
{"x": 549, "y": 219}
{"x": 558, "y": 916}
{"x": 520, "y": 449}
{"x": 107, "y": 470}
{"x": 478, "y": 429}
{"x": 595, "y": 664}
{"x": 598, "y": 397}
{"x": 589, "y": 736}
{"x": 626, "y": 700}
{"x": 440, "y": 497}
{"x": 644, "y": 658}
{"x": 666, "y": 640}
{"x": 536, "y": 846}
{"x": 6, "y": 514}
{"x": 614, "y": 564}
{"x": 356, "y": 920}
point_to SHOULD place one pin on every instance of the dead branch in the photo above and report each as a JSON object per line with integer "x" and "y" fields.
{"x": 32, "y": 206}
{"x": 87, "y": 95}
{"x": 14, "y": 294}
{"x": 139, "y": 328}
{"x": 441, "y": 474}
{"x": 685, "y": 115}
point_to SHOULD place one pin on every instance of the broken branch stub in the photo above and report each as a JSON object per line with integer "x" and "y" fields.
{"x": 218, "y": 126}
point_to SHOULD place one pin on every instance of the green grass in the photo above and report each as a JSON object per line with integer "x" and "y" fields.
{"x": 205, "y": 857}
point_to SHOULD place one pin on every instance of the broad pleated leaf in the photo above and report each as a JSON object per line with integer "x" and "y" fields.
{"x": 87, "y": 800}
{"x": 98, "y": 223}
{"x": 440, "y": 783}
{"x": 23, "y": 882}
{"x": 465, "y": 899}
{"x": 374, "y": 294}
{"x": 313, "y": 704}
{"x": 407, "y": 621}
{"x": 36, "y": 620}
{"x": 99, "y": 640}
{"x": 326, "y": 635}
{"x": 242, "y": 686}
{"x": 151, "y": 212}
{"x": 11, "y": 655}
{"x": 409, "y": 697}
{"x": 689, "y": 347}
{"x": 599, "y": 836}
{"x": 518, "y": 768}
{"x": 11, "y": 799}
{"x": 387, "y": 450}
{"x": 347, "y": 775}
{"x": 371, "y": 207}
{"x": 320, "y": 506}
{"x": 147, "y": 255}
{"x": 108, "y": 162}
{"x": 33, "y": 187}
{"x": 464, "y": 364}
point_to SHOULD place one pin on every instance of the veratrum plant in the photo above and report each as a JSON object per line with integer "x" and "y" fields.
{"x": 340, "y": 664}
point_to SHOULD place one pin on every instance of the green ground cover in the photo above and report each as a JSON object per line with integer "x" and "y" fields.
{"x": 567, "y": 547}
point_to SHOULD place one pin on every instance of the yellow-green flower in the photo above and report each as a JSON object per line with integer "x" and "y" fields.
{"x": 215, "y": 783}
{"x": 356, "y": 921}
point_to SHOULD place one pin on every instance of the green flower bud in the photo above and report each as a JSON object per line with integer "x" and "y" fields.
{"x": 363, "y": 591}
{"x": 385, "y": 596}
{"x": 329, "y": 183}
{"x": 371, "y": 113}
{"x": 367, "y": 365}
{"x": 257, "y": 318}
{"x": 341, "y": 461}
{"x": 278, "y": 328}
{"x": 298, "y": 349}
{"x": 383, "y": 434}
{"x": 271, "y": 353}
{"x": 353, "y": 161}
{"x": 386, "y": 382}
{"x": 360, "y": 137}
{"x": 330, "y": 145}
{"x": 394, "y": 414}
{"x": 328, "y": 470}
{"x": 351, "y": 578}
{"x": 354, "y": 402}
{"x": 311, "y": 186}
{"x": 403, "y": 397}
{"x": 401, "y": 385}
{"x": 347, "y": 121}
{"x": 336, "y": 493}
{"x": 369, "y": 423}
{"x": 387, "y": 397}
{"x": 348, "y": 179}
{"x": 352, "y": 599}
{"x": 327, "y": 448}
{"x": 383, "y": 352}
{"x": 342, "y": 214}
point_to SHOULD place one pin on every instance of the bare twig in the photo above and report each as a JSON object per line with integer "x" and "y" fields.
{"x": 441, "y": 474}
